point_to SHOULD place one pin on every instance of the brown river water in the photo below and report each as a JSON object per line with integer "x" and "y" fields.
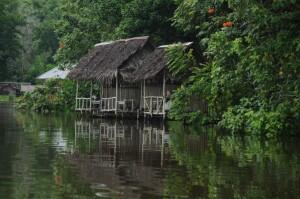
{"x": 64, "y": 156}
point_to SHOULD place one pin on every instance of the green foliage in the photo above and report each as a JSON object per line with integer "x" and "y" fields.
{"x": 54, "y": 95}
{"x": 250, "y": 75}
{"x": 148, "y": 17}
{"x": 38, "y": 67}
{"x": 26, "y": 37}
{"x": 44, "y": 39}
{"x": 4, "y": 98}
{"x": 85, "y": 23}
{"x": 187, "y": 102}
{"x": 9, "y": 34}
{"x": 180, "y": 62}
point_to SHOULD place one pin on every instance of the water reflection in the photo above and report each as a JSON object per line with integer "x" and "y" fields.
{"x": 61, "y": 156}
{"x": 120, "y": 158}
{"x": 235, "y": 167}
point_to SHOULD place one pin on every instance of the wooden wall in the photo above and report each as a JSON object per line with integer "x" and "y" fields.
{"x": 135, "y": 92}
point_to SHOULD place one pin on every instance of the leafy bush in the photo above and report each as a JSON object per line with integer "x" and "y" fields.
{"x": 4, "y": 98}
{"x": 251, "y": 58}
{"x": 54, "y": 95}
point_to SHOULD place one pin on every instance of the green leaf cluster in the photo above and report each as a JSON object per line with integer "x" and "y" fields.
{"x": 54, "y": 95}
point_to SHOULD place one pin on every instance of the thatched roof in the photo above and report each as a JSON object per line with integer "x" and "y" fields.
{"x": 104, "y": 60}
{"x": 134, "y": 59}
{"x": 153, "y": 64}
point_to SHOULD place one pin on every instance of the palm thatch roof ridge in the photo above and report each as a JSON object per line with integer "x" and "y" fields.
{"x": 104, "y": 60}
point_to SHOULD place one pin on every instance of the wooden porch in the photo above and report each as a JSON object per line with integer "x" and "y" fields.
{"x": 111, "y": 100}
{"x": 133, "y": 100}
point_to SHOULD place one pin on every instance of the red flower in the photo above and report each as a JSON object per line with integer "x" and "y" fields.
{"x": 228, "y": 24}
{"x": 211, "y": 11}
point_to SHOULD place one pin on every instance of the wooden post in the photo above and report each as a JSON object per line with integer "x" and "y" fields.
{"x": 162, "y": 147}
{"x": 75, "y": 135}
{"x": 102, "y": 95}
{"x": 141, "y": 101}
{"x": 151, "y": 108}
{"x": 76, "y": 102}
{"x": 144, "y": 100}
{"x": 164, "y": 95}
{"x": 120, "y": 93}
{"x": 101, "y": 91}
{"x": 89, "y": 129}
{"x": 82, "y": 105}
{"x": 115, "y": 142}
{"x": 105, "y": 95}
{"x": 91, "y": 95}
{"x": 143, "y": 140}
{"x": 116, "y": 110}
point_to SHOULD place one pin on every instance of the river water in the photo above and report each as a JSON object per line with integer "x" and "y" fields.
{"x": 62, "y": 156}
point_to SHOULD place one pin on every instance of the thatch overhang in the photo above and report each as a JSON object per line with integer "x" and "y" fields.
{"x": 105, "y": 59}
{"x": 153, "y": 65}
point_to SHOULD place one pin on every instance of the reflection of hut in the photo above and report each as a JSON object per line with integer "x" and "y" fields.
{"x": 115, "y": 138}
{"x": 103, "y": 64}
{"x": 117, "y": 157}
{"x": 154, "y": 140}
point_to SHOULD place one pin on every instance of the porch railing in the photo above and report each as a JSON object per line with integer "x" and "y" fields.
{"x": 108, "y": 104}
{"x": 154, "y": 105}
{"x": 83, "y": 104}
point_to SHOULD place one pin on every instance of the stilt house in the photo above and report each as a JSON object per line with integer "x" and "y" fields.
{"x": 103, "y": 64}
{"x": 133, "y": 78}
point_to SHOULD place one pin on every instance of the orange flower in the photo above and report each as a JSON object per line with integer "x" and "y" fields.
{"x": 58, "y": 180}
{"x": 211, "y": 11}
{"x": 228, "y": 24}
{"x": 61, "y": 45}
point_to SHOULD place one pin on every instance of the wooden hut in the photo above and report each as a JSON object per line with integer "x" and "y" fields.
{"x": 103, "y": 64}
{"x": 156, "y": 82}
{"x": 133, "y": 76}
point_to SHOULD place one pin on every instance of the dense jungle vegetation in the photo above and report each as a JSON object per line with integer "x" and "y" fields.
{"x": 245, "y": 60}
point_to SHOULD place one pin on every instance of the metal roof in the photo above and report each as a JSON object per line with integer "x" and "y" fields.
{"x": 186, "y": 44}
{"x": 54, "y": 73}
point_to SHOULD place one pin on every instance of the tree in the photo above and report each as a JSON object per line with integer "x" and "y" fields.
{"x": 149, "y": 17}
{"x": 9, "y": 34}
{"x": 45, "y": 37}
{"x": 38, "y": 38}
{"x": 85, "y": 23}
{"x": 250, "y": 62}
